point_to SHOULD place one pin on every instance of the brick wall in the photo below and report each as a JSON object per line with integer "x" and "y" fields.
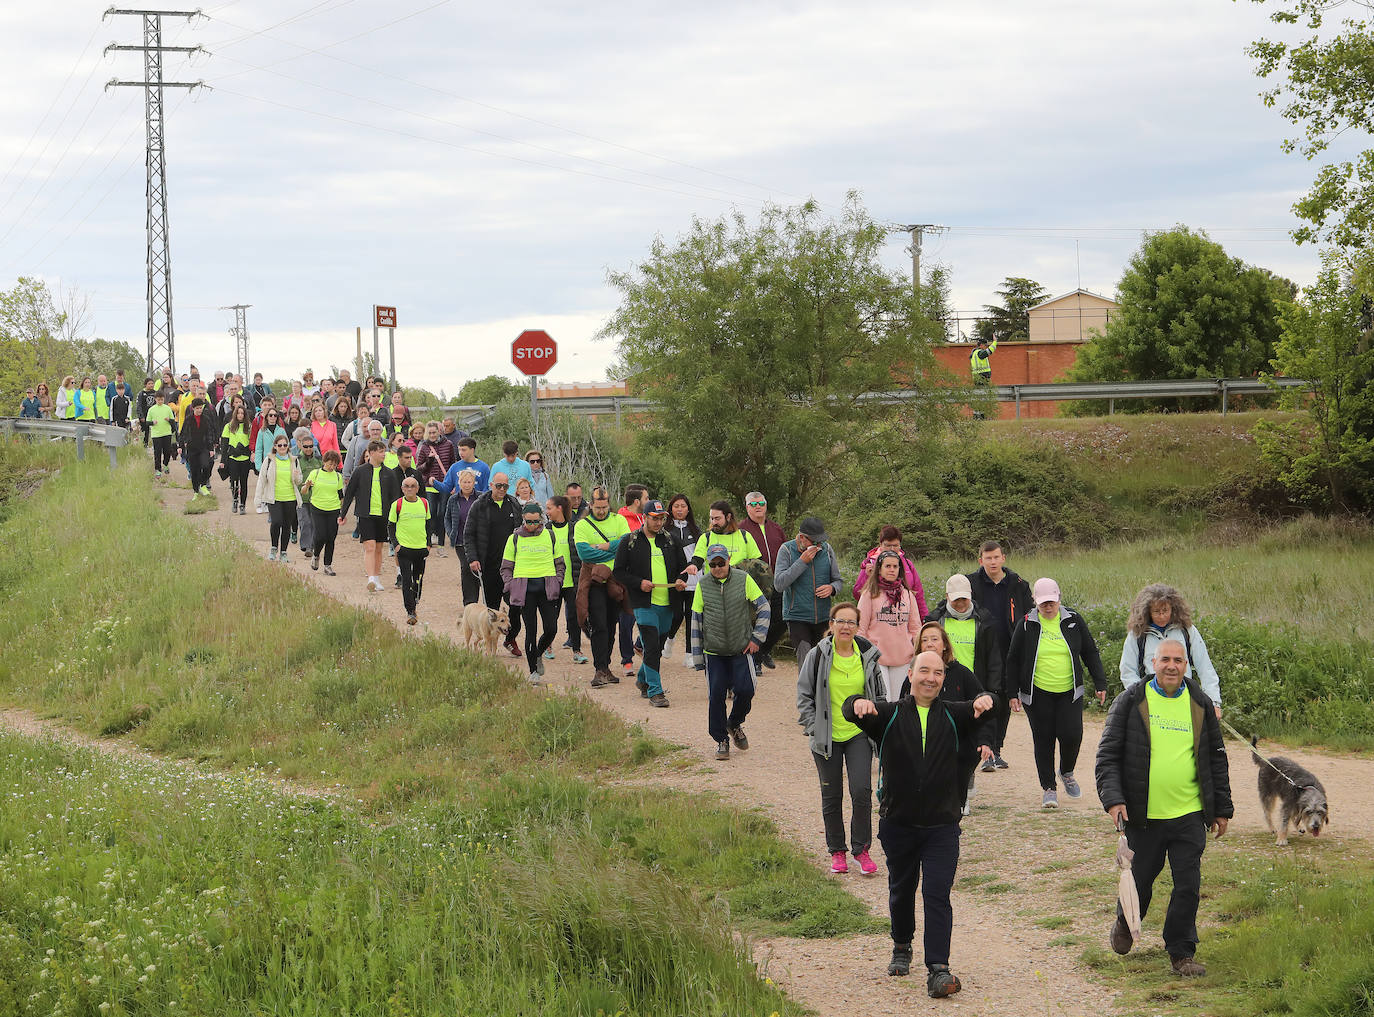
{"x": 1018, "y": 364}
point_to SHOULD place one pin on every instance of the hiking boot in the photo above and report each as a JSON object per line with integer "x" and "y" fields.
{"x": 411, "y": 619}
{"x": 659, "y": 700}
{"x": 838, "y": 862}
{"x": 1000, "y": 763}
{"x": 988, "y": 766}
{"x": 766, "y": 659}
{"x": 1120, "y": 939}
{"x": 723, "y": 749}
{"x": 940, "y": 982}
{"x": 579, "y": 657}
{"x": 512, "y": 649}
{"x": 612, "y": 677}
{"x": 737, "y": 734}
{"x": 1071, "y": 787}
{"x": 601, "y": 679}
{"x": 866, "y": 865}
{"x": 1050, "y": 799}
{"x": 272, "y": 554}
{"x": 329, "y": 571}
{"x": 643, "y": 691}
{"x": 900, "y": 965}
{"x": 1187, "y": 967}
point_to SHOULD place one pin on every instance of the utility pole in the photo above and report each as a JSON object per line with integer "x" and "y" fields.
{"x": 240, "y": 334}
{"x": 917, "y": 231}
{"x": 161, "y": 350}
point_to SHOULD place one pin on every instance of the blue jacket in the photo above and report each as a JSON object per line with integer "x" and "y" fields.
{"x": 456, "y": 516}
{"x": 266, "y": 435}
{"x": 541, "y": 485}
{"x": 450, "y": 482}
{"x": 798, "y": 580}
{"x": 29, "y": 408}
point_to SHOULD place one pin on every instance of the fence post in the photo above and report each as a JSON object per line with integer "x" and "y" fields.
{"x": 616, "y": 400}
{"x": 1111, "y": 407}
{"x": 1017, "y": 390}
{"x": 1224, "y": 392}
{"x": 80, "y": 443}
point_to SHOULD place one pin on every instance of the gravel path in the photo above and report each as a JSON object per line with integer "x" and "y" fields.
{"x": 1033, "y": 887}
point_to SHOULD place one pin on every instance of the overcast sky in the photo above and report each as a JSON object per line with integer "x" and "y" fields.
{"x": 482, "y": 166}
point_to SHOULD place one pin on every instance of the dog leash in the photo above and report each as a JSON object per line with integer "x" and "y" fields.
{"x": 1262, "y": 757}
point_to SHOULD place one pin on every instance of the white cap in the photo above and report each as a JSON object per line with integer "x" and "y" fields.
{"x": 957, "y": 587}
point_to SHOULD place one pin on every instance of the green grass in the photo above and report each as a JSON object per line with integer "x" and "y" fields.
{"x": 201, "y": 504}
{"x": 210, "y": 654}
{"x": 140, "y": 888}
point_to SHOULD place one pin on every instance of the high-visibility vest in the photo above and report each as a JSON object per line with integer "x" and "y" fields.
{"x": 981, "y": 365}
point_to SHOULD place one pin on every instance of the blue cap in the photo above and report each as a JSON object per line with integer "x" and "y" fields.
{"x": 717, "y": 551}
{"x": 654, "y": 507}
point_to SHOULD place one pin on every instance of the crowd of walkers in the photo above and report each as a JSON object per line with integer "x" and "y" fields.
{"x": 928, "y": 692}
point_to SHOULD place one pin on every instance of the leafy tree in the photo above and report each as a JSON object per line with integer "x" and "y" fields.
{"x": 487, "y": 391}
{"x": 756, "y": 343}
{"x": 106, "y": 356}
{"x": 1009, "y": 321}
{"x": 1327, "y": 341}
{"x": 1188, "y": 310}
{"x": 936, "y": 303}
{"x": 1322, "y": 85}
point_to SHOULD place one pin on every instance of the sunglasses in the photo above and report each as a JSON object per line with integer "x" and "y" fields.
{"x": 502, "y": 486}
{"x": 536, "y": 462}
{"x": 757, "y": 504}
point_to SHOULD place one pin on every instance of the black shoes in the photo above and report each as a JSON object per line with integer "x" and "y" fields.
{"x": 741, "y": 742}
{"x": 901, "y": 960}
{"x": 723, "y": 749}
{"x": 1121, "y": 939}
{"x": 940, "y": 982}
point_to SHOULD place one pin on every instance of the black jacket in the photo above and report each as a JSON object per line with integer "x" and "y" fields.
{"x": 989, "y": 654}
{"x": 199, "y": 437}
{"x": 359, "y": 486}
{"x": 1123, "y": 756}
{"x": 986, "y": 594}
{"x": 488, "y": 527}
{"x": 634, "y": 563}
{"x": 142, "y": 401}
{"x": 920, "y": 787}
{"x": 1025, "y": 642}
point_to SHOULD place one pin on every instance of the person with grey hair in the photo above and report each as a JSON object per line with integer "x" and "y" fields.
{"x": 1159, "y": 612}
{"x": 357, "y": 448}
{"x": 769, "y": 537}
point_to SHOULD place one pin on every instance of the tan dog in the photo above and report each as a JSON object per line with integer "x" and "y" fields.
{"x": 479, "y": 627}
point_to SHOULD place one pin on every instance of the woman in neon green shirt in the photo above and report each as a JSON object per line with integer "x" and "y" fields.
{"x": 279, "y": 486}
{"x": 532, "y": 570}
{"x": 325, "y": 486}
{"x": 839, "y": 666}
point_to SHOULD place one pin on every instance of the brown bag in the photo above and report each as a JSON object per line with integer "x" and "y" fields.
{"x": 595, "y": 572}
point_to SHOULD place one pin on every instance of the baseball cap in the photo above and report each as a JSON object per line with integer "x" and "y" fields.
{"x": 533, "y": 509}
{"x": 958, "y": 588}
{"x": 1045, "y": 589}
{"x": 813, "y": 529}
{"x": 654, "y": 507}
{"x": 717, "y": 551}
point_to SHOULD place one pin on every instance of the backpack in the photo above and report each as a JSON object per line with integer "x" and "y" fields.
{"x": 759, "y": 570}
{"x": 553, "y": 542}
{"x": 1140, "y": 661}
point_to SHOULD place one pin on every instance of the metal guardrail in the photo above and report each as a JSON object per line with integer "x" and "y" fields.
{"x": 111, "y": 436}
{"x": 473, "y": 417}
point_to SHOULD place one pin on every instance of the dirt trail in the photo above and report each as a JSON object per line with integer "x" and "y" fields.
{"x": 1018, "y": 931}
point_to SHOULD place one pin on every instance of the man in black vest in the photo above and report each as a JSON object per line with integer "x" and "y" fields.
{"x": 723, "y": 641}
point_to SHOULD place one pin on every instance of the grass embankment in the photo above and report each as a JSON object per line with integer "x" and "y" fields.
{"x": 124, "y": 618}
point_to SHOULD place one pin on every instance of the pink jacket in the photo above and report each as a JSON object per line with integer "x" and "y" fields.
{"x": 326, "y": 436}
{"x": 913, "y": 580}
{"x": 892, "y": 630}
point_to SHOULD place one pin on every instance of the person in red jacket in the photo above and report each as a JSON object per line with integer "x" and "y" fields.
{"x": 769, "y": 536}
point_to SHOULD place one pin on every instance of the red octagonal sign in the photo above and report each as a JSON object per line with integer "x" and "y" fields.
{"x": 534, "y": 351}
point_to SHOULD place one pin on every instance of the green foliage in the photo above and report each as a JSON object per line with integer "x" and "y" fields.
{"x": 936, "y": 302}
{"x": 755, "y": 342}
{"x": 1009, "y": 321}
{"x": 1322, "y": 86}
{"x": 1329, "y": 464}
{"x": 486, "y": 391}
{"x": 1188, "y": 310}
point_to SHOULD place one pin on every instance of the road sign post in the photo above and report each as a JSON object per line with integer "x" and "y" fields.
{"x": 534, "y": 353}
{"x": 384, "y": 317}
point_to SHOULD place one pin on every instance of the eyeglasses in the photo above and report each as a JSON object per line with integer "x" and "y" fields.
{"x": 757, "y": 504}
{"x": 847, "y": 622}
{"x": 281, "y": 446}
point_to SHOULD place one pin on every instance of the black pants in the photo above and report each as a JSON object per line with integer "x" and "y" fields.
{"x": 494, "y": 592}
{"x": 627, "y": 637}
{"x": 928, "y": 855}
{"x": 1055, "y": 717}
{"x": 435, "y": 526}
{"x": 326, "y": 532}
{"x": 412, "y": 564}
{"x": 570, "y": 618}
{"x": 776, "y": 626}
{"x": 238, "y": 478}
{"x": 198, "y": 466}
{"x": 602, "y": 616}
{"x": 1182, "y": 841}
{"x": 162, "y": 452}
{"x": 281, "y": 517}
{"x": 728, "y": 673}
{"x": 806, "y": 635}
{"x": 1001, "y": 714}
{"x": 538, "y": 610}
{"x": 472, "y": 586}
{"x": 856, "y": 756}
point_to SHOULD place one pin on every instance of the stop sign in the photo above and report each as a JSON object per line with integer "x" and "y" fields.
{"x": 534, "y": 351}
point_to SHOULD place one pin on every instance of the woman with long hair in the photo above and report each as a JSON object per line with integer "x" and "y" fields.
{"x": 558, "y": 510}
{"x": 341, "y": 417}
{"x": 294, "y": 418}
{"x": 890, "y": 539}
{"x": 268, "y": 432}
{"x": 532, "y": 571}
{"x": 279, "y": 488}
{"x": 683, "y": 530}
{"x": 237, "y": 455}
{"x": 63, "y": 406}
{"x": 45, "y": 406}
{"x": 841, "y": 665}
{"x": 325, "y": 487}
{"x": 83, "y": 401}
{"x": 296, "y": 398}
{"x": 1159, "y": 612}
{"x": 890, "y": 619}
{"x": 322, "y": 428}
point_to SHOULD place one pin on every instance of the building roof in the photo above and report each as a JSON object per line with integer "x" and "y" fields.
{"x": 1073, "y": 293}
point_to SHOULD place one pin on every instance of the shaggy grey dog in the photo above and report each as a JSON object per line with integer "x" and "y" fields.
{"x": 1299, "y": 801}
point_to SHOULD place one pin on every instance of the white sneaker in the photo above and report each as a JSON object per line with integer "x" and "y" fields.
{"x": 668, "y": 650}
{"x": 260, "y": 508}
{"x": 272, "y": 554}
{"x": 283, "y": 557}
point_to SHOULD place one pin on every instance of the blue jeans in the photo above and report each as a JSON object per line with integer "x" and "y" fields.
{"x": 724, "y": 673}
{"x": 654, "y": 623}
{"x": 930, "y": 855}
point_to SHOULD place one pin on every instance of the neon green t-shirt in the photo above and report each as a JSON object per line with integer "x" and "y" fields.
{"x": 923, "y": 712}
{"x": 658, "y": 573}
{"x": 160, "y": 420}
{"x": 533, "y": 555}
{"x": 846, "y": 679}
{"x": 563, "y": 536}
{"x": 238, "y": 442}
{"x": 284, "y": 489}
{"x": 1053, "y": 663}
{"x": 961, "y": 632}
{"x": 1174, "y": 789}
{"x": 326, "y": 489}
{"x": 374, "y": 507}
{"x": 410, "y": 522}
{"x": 391, "y": 460}
{"x": 741, "y": 544}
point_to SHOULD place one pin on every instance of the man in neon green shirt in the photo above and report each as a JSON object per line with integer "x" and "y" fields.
{"x": 1162, "y": 777}
{"x": 407, "y": 522}
{"x": 648, "y": 563}
{"x": 724, "y": 641}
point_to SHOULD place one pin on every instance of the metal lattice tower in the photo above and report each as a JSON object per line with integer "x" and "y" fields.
{"x": 161, "y": 349}
{"x": 240, "y": 334}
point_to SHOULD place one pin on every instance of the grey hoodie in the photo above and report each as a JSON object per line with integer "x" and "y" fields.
{"x": 813, "y": 689}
